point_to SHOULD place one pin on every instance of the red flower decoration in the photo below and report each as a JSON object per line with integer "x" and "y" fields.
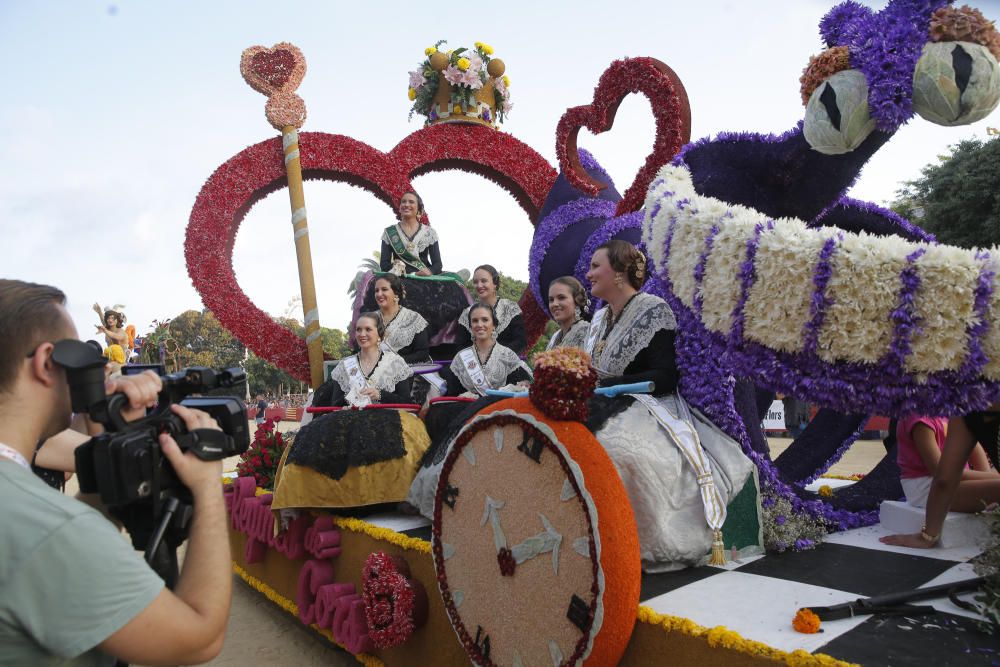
{"x": 506, "y": 561}
{"x": 252, "y": 174}
{"x": 395, "y": 604}
{"x": 670, "y": 105}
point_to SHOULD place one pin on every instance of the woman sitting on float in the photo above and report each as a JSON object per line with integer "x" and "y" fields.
{"x": 363, "y": 454}
{"x": 661, "y": 453}
{"x": 484, "y": 365}
{"x": 409, "y": 246}
{"x": 487, "y": 363}
{"x": 509, "y": 323}
{"x": 406, "y": 331}
{"x": 568, "y": 303}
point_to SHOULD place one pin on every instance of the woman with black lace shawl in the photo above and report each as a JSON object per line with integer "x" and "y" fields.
{"x": 406, "y": 331}
{"x": 486, "y": 364}
{"x": 509, "y": 328}
{"x": 631, "y": 340}
{"x": 356, "y": 457}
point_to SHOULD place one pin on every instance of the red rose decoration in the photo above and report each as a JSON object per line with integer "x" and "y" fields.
{"x": 395, "y": 604}
{"x": 252, "y": 174}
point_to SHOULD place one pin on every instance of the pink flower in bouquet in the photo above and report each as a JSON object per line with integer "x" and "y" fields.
{"x": 453, "y": 75}
{"x": 417, "y": 79}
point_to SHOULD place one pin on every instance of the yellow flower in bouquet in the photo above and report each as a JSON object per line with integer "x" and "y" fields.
{"x": 411, "y": 93}
{"x": 430, "y": 51}
{"x": 506, "y": 80}
{"x": 463, "y": 64}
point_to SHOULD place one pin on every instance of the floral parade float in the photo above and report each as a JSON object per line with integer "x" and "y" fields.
{"x": 724, "y": 221}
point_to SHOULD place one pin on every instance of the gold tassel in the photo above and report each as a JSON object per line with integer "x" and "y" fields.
{"x": 718, "y": 549}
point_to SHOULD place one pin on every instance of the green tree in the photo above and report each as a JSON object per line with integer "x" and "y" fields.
{"x": 958, "y": 198}
{"x": 202, "y": 341}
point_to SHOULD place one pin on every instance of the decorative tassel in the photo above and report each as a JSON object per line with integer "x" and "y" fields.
{"x": 718, "y": 549}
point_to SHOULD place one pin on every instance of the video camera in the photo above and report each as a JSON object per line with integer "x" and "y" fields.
{"x": 126, "y": 466}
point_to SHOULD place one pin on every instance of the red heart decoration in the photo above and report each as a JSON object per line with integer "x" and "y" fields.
{"x": 671, "y": 110}
{"x": 273, "y": 70}
{"x": 260, "y": 169}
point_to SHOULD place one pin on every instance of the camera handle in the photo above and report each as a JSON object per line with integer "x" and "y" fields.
{"x": 162, "y": 558}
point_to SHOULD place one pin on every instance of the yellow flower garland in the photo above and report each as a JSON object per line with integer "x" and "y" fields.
{"x": 722, "y": 637}
{"x": 383, "y": 534}
{"x": 293, "y": 609}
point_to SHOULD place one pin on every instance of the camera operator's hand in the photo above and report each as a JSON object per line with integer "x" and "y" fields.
{"x": 141, "y": 391}
{"x": 199, "y": 476}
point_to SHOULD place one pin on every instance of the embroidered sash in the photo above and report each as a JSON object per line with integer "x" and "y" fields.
{"x": 681, "y": 431}
{"x": 475, "y": 370}
{"x": 402, "y": 248}
{"x": 357, "y": 381}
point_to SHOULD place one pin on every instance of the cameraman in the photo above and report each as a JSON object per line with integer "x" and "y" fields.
{"x": 72, "y": 589}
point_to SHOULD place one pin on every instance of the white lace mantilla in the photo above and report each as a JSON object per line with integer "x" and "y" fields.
{"x": 502, "y": 362}
{"x": 505, "y": 309}
{"x": 403, "y": 328}
{"x": 423, "y": 239}
{"x": 643, "y": 317}
{"x": 390, "y": 371}
{"x": 577, "y": 336}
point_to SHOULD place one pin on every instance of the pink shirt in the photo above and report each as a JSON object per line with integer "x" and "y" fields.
{"x": 907, "y": 456}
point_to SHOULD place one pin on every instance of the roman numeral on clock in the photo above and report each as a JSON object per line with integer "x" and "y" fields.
{"x": 531, "y": 448}
{"x": 450, "y": 495}
{"x": 578, "y": 613}
{"x": 482, "y": 642}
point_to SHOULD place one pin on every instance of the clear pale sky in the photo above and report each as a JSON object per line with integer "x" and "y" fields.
{"x": 114, "y": 114}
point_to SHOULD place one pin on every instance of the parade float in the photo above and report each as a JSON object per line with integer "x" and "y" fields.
{"x": 724, "y": 221}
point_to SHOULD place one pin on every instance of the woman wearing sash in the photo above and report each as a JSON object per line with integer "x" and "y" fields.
{"x": 568, "y": 303}
{"x": 409, "y": 246}
{"x": 509, "y": 323}
{"x": 406, "y": 331}
{"x": 356, "y": 457}
{"x": 652, "y": 439}
{"x": 486, "y": 364}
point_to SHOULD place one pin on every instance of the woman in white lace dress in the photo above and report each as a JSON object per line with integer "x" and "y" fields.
{"x": 353, "y": 458}
{"x": 509, "y": 323}
{"x": 631, "y": 340}
{"x": 568, "y": 303}
{"x": 406, "y": 331}
{"x": 410, "y": 246}
{"x": 486, "y": 364}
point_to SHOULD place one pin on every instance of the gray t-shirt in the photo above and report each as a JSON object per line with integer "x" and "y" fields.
{"x": 68, "y": 578}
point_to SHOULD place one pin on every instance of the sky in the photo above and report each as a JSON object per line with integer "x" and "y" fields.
{"x": 114, "y": 114}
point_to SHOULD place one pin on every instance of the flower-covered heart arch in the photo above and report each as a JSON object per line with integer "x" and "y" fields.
{"x": 259, "y": 170}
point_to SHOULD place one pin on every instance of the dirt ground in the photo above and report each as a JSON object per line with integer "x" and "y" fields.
{"x": 260, "y": 633}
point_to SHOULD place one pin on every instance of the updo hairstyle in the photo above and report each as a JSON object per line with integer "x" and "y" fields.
{"x": 626, "y": 258}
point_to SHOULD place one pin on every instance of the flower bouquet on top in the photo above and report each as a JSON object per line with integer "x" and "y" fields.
{"x": 260, "y": 460}
{"x": 477, "y": 83}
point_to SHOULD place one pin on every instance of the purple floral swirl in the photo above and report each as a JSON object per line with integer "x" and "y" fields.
{"x": 976, "y": 359}
{"x": 885, "y": 47}
{"x": 605, "y": 232}
{"x": 836, "y": 456}
{"x": 555, "y": 224}
{"x": 906, "y": 323}
{"x": 820, "y": 300}
{"x": 748, "y": 275}
{"x": 699, "y": 267}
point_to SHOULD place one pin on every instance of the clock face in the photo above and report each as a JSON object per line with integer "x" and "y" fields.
{"x": 514, "y": 545}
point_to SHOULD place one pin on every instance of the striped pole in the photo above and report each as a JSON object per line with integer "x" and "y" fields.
{"x": 300, "y": 228}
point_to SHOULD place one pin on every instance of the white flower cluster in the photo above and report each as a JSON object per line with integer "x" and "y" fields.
{"x": 864, "y": 287}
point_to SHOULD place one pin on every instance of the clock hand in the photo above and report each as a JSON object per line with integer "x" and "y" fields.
{"x": 544, "y": 542}
{"x": 491, "y": 514}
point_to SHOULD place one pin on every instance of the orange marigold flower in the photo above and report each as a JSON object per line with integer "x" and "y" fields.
{"x": 826, "y": 491}
{"x": 806, "y": 621}
{"x": 821, "y": 68}
{"x": 964, "y": 24}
